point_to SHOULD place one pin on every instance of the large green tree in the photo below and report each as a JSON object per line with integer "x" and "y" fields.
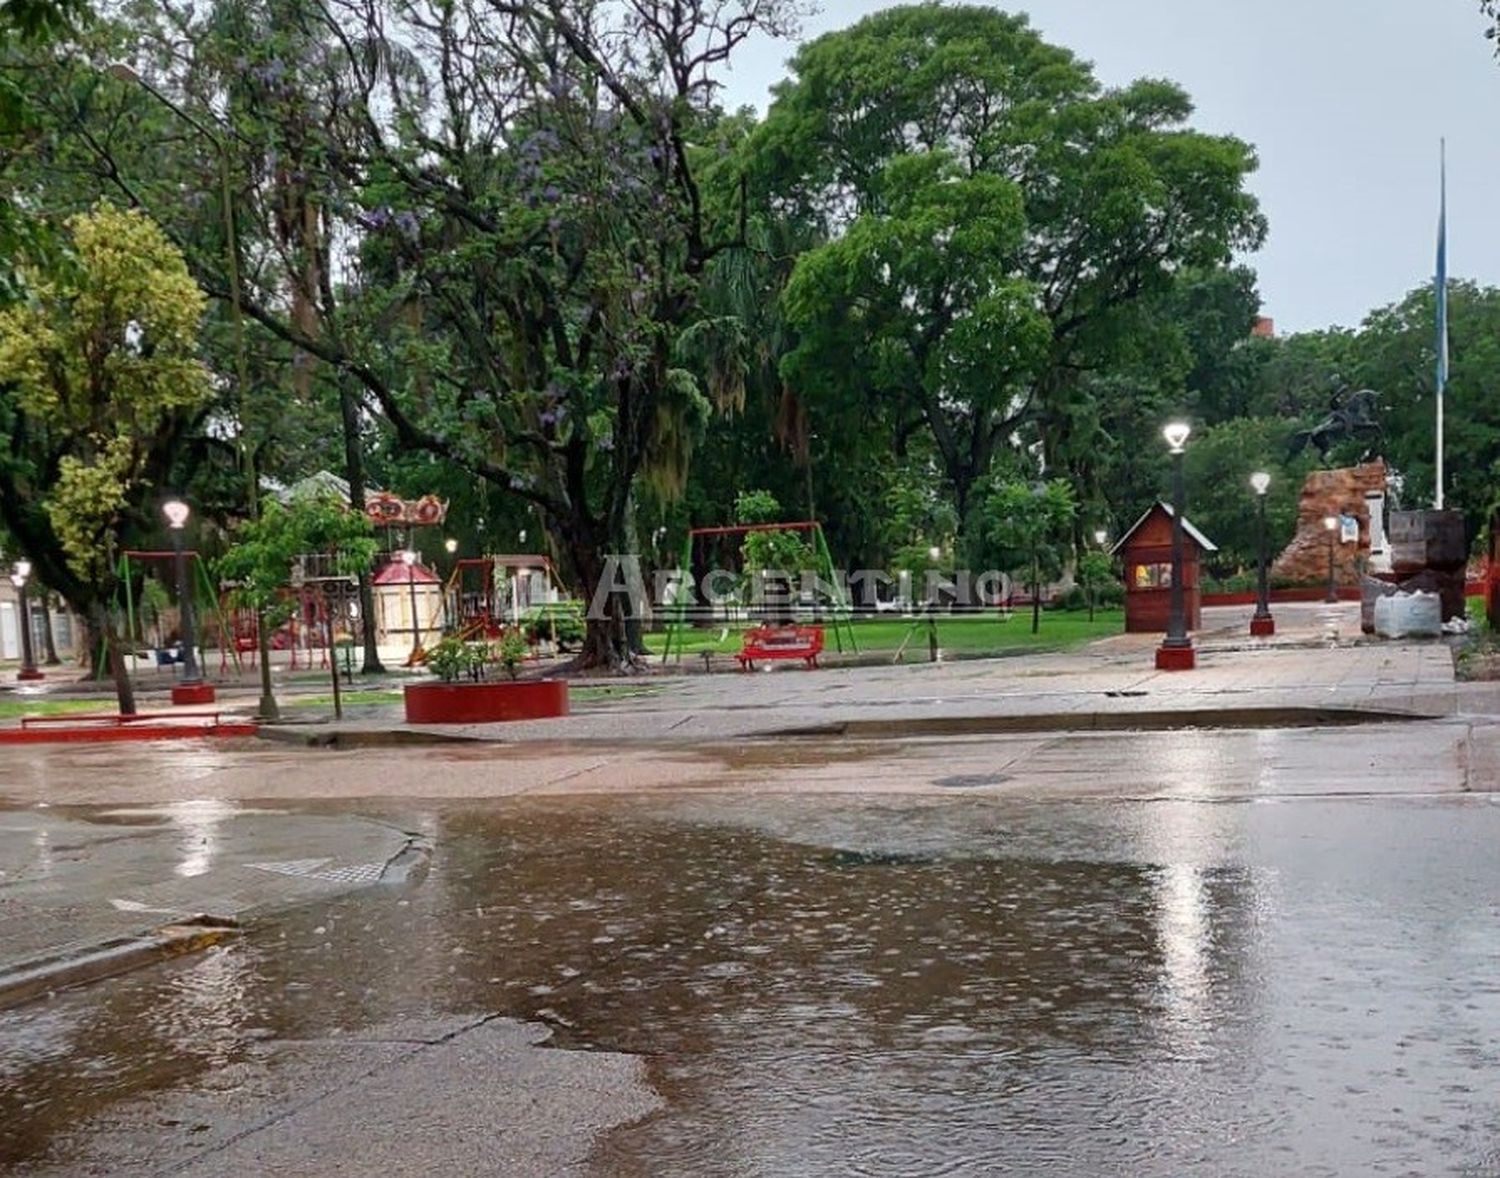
{"x": 892, "y": 131}
{"x": 1023, "y": 528}
{"x": 99, "y": 373}
{"x": 1394, "y": 353}
{"x": 498, "y": 234}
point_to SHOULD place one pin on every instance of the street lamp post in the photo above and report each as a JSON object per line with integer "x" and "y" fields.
{"x": 409, "y": 559}
{"x": 1331, "y": 526}
{"x": 935, "y": 554}
{"x": 1100, "y": 538}
{"x": 1176, "y": 652}
{"x": 451, "y": 546}
{"x": 20, "y": 574}
{"x": 1262, "y": 625}
{"x": 190, "y": 689}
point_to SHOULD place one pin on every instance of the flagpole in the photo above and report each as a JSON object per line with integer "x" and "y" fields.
{"x": 1441, "y": 294}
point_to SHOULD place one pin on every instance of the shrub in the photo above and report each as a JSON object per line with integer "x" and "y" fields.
{"x": 510, "y": 650}
{"x": 1109, "y": 595}
{"x": 565, "y": 618}
{"x": 453, "y": 659}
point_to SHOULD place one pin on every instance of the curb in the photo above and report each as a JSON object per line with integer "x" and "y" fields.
{"x": 1059, "y": 722}
{"x": 37, "y": 978}
{"x": 347, "y": 739}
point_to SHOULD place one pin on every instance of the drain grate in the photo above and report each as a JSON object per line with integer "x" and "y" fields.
{"x": 358, "y": 873}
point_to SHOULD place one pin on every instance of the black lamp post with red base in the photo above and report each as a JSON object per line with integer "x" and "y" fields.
{"x": 1176, "y": 652}
{"x": 1262, "y": 625}
{"x": 20, "y": 573}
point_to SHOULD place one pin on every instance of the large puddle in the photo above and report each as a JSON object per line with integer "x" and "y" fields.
{"x": 950, "y": 985}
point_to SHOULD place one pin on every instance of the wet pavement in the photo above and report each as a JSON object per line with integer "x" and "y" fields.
{"x": 1111, "y": 683}
{"x": 72, "y": 881}
{"x": 978, "y": 977}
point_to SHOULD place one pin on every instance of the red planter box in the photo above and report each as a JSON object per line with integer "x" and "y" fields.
{"x": 485, "y": 703}
{"x": 191, "y": 695}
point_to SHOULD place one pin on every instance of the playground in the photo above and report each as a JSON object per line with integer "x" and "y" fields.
{"x": 966, "y": 635}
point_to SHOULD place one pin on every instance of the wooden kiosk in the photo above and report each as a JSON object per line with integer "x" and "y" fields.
{"x": 1146, "y": 553}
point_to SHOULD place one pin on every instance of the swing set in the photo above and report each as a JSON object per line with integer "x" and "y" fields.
{"x": 138, "y": 561}
{"x": 838, "y": 606}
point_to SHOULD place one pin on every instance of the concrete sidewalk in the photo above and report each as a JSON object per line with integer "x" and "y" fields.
{"x": 1109, "y": 684}
{"x": 69, "y": 885}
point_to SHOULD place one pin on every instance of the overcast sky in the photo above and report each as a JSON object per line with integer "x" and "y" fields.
{"x": 1345, "y": 101}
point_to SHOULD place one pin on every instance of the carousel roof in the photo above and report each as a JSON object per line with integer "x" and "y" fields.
{"x": 400, "y": 573}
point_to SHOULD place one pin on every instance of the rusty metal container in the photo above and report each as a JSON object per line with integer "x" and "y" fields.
{"x": 1448, "y": 584}
{"x": 1427, "y": 540}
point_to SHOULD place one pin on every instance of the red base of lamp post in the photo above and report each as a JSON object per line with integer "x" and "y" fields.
{"x": 192, "y": 694}
{"x": 29, "y": 676}
{"x": 1262, "y": 627}
{"x": 1176, "y": 658}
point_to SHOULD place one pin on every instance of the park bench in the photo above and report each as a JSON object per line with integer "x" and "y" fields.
{"x": 781, "y": 642}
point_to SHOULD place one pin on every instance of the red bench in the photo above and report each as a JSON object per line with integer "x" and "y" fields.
{"x": 781, "y": 642}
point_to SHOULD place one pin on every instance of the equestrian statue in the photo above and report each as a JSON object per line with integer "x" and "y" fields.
{"x": 1350, "y": 415}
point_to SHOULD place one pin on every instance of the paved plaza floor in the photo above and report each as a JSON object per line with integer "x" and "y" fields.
{"x": 878, "y": 920}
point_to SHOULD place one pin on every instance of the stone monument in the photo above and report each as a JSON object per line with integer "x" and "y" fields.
{"x": 1355, "y": 492}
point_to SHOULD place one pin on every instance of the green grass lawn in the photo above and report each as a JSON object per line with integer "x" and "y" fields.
{"x": 956, "y": 635}
{"x": 14, "y": 709}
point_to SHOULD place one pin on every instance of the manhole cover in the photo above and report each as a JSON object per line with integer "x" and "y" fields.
{"x": 972, "y": 780}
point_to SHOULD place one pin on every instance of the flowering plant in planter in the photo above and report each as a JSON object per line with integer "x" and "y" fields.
{"x": 454, "y": 660}
{"x": 510, "y": 650}
{"x": 469, "y": 695}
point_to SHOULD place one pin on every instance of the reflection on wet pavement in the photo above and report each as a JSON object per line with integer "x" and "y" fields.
{"x": 939, "y": 985}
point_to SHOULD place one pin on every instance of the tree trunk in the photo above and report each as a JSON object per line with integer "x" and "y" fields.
{"x": 50, "y": 643}
{"x": 1036, "y": 595}
{"x": 604, "y": 643}
{"x": 635, "y": 643}
{"x": 372, "y": 664}
{"x": 267, "y": 709}
{"x": 354, "y": 474}
{"x": 96, "y": 662}
{"x": 115, "y": 659}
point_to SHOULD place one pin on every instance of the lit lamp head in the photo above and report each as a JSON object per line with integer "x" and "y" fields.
{"x": 1100, "y": 536}
{"x": 1177, "y": 435}
{"x": 1261, "y": 481}
{"x": 1331, "y": 522}
{"x": 523, "y": 535}
{"x": 451, "y": 545}
{"x": 935, "y": 553}
{"x": 177, "y": 513}
{"x": 408, "y": 558}
{"x": 20, "y": 572}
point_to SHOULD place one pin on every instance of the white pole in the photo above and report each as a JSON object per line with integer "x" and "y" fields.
{"x": 1442, "y": 317}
